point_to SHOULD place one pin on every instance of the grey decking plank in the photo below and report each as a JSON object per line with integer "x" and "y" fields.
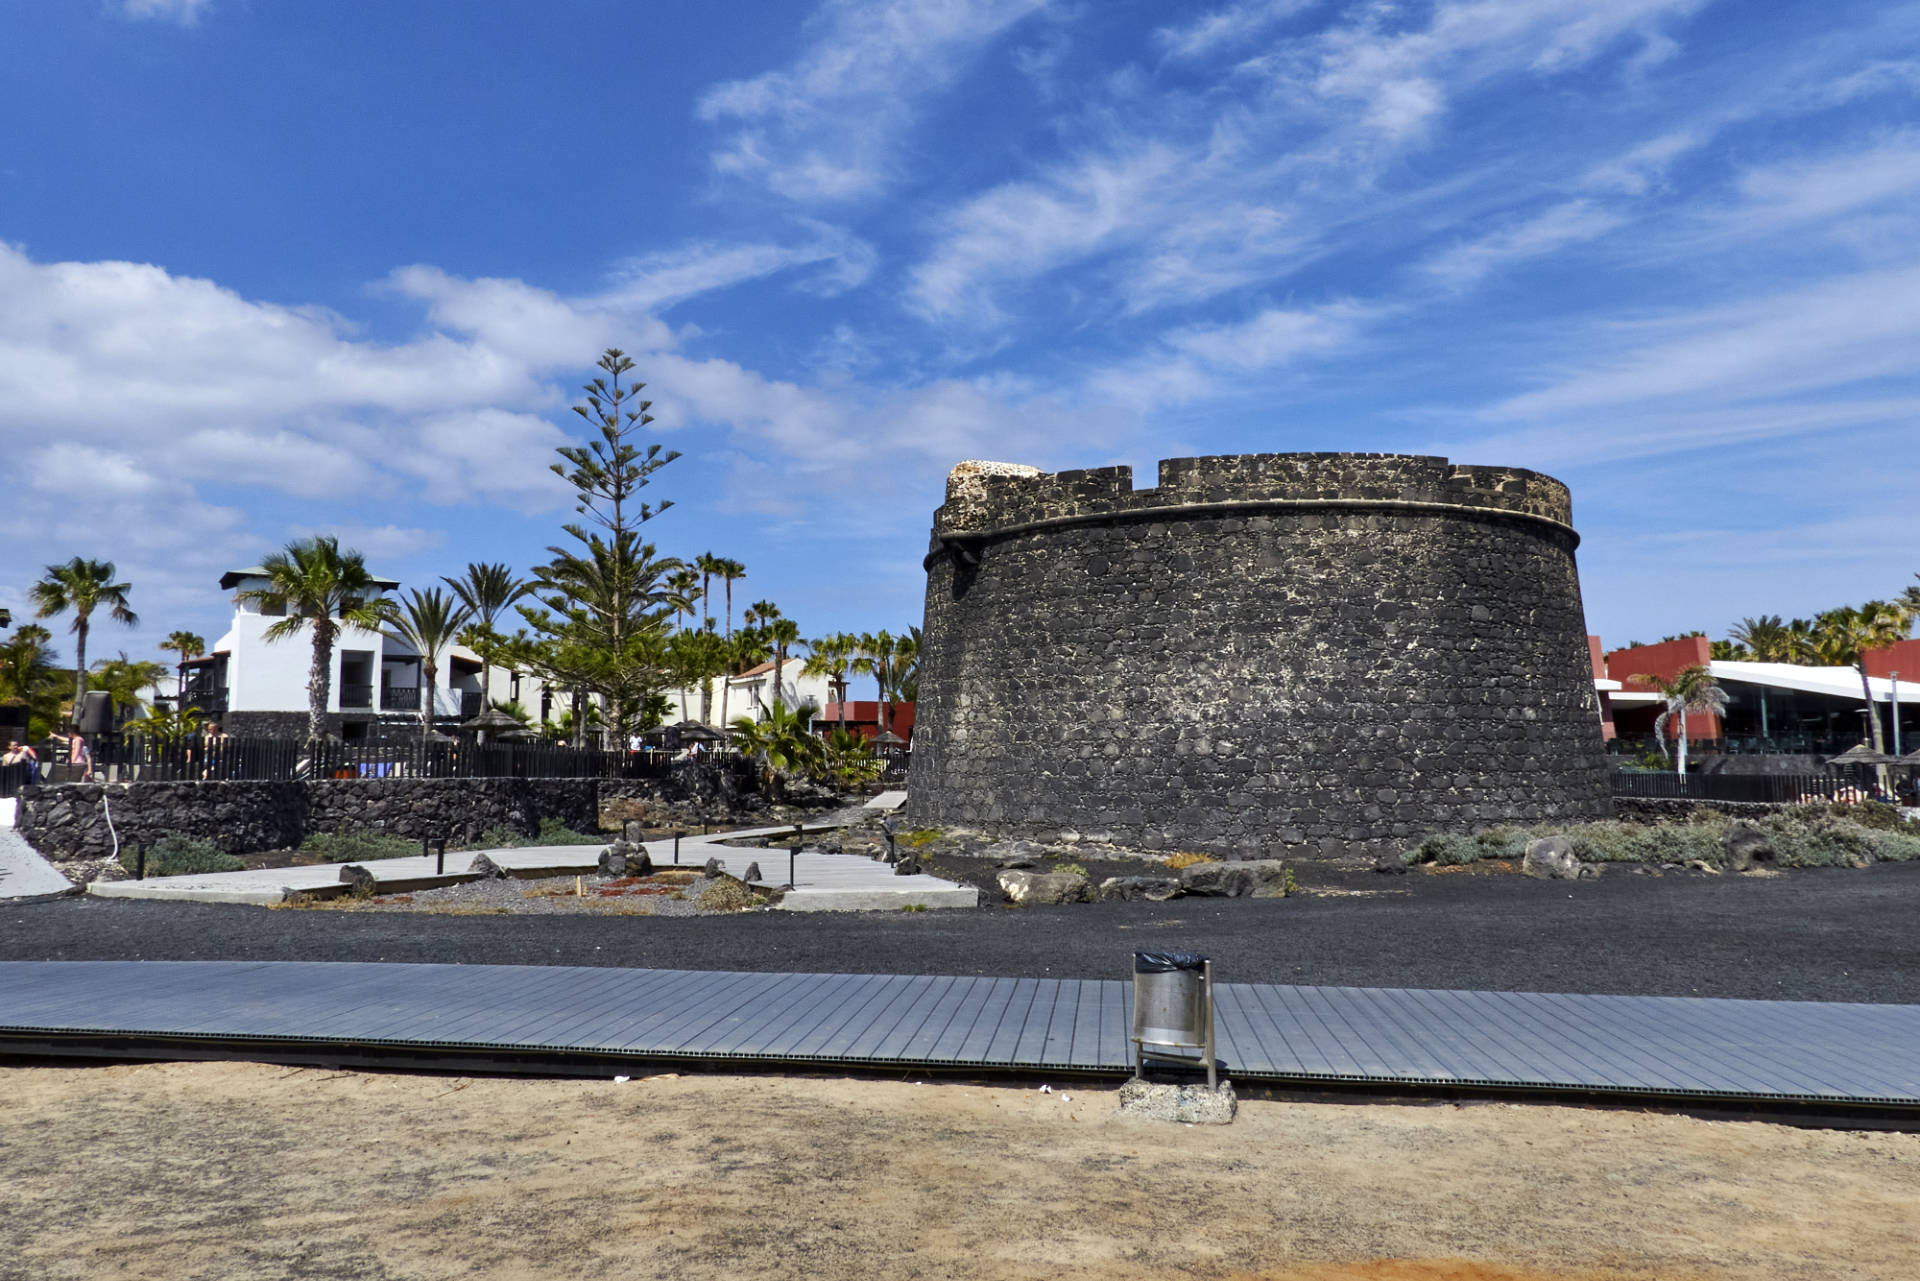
{"x": 1685, "y": 1047}
{"x": 924, "y": 1044}
{"x": 1009, "y": 1019}
{"x": 1030, "y": 1047}
{"x": 974, "y": 1041}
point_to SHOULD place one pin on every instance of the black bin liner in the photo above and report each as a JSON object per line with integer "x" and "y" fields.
{"x": 1167, "y": 962}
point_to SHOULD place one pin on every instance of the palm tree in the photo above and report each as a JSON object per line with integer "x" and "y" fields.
{"x": 1770, "y": 640}
{"x": 783, "y": 741}
{"x": 123, "y": 678}
{"x": 27, "y": 676}
{"x": 322, "y": 589}
{"x": 707, "y": 564}
{"x": 188, "y": 646}
{"x": 1843, "y": 637}
{"x": 833, "y": 658}
{"x": 430, "y": 623}
{"x": 784, "y": 633}
{"x": 82, "y": 586}
{"x": 1692, "y": 689}
{"x": 892, "y": 661}
{"x": 685, "y": 585}
{"x": 487, "y": 590}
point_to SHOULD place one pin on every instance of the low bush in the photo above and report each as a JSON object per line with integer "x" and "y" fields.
{"x": 554, "y": 832}
{"x": 1818, "y": 835}
{"x": 357, "y": 846}
{"x": 175, "y": 854}
{"x": 1450, "y": 849}
{"x": 726, "y": 896}
{"x": 1188, "y": 858}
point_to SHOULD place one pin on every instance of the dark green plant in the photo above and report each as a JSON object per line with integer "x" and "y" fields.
{"x": 554, "y": 832}
{"x": 358, "y": 846}
{"x": 176, "y": 854}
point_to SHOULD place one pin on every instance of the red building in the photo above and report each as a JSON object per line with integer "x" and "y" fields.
{"x": 1638, "y": 704}
{"x": 863, "y": 718}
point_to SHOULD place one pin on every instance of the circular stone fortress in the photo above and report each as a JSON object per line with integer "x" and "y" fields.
{"x": 1322, "y": 654}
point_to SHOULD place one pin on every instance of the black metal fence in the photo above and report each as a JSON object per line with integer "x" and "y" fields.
{"x": 134, "y": 757}
{"x": 1774, "y": 788}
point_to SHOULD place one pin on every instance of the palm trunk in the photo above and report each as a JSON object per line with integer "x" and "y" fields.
{"x": 79, "y": 666}
{"x": 429, "y": 672}
{"x": 1873, "y": 725}
{"x": 726, "y": 687}
{"x": 1681, "y": 755}
{"x": 319, "y": 679}
{"x": 706, "y": 700}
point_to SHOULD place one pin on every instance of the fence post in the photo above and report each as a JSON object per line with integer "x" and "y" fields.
{"x": 139, "y": 860}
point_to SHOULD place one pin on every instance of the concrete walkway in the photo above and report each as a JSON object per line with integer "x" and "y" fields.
{"x": 822, "y": 882}
{"x": 25, "y": 877}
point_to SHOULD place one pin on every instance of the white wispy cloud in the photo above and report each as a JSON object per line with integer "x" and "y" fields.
{"x": 1568, "y": 223}
{"x": 184, "y": 12}
{"x": 826, "y": 128}
{"x": 1198, "y": 196}
{"x": 1227, "y": 28}
{"x": 1837, "y": 332}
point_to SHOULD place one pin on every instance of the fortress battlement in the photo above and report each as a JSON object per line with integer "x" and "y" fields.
{"x": 985, "y": 498}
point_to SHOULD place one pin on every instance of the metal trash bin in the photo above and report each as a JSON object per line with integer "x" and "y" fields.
{"x": 1173, "y": 1011}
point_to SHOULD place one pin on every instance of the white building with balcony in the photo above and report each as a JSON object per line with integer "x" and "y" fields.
{"x": 254, "y": 686}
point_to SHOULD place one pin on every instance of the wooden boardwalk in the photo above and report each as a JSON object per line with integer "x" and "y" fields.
{"x": 1663, "y": 1047}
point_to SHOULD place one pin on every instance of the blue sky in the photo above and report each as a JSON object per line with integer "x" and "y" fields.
{"x": 268, "y": 269}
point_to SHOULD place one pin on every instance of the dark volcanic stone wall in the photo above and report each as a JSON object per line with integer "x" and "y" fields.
{"x": 68, "y": 821}
{"x": 1321, "y": 654}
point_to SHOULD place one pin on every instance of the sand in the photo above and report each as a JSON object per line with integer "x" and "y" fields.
{"x": 220, "y": 1170}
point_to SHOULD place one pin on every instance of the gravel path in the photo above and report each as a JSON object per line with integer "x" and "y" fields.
{"x": 1825, "y": 934}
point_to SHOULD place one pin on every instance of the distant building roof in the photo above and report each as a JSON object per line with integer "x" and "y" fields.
{"x": 1840, "y": 682}
{"x": 232, "y": 578}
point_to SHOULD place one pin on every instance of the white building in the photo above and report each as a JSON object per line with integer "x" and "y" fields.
{"x": 750, "y": 693}
{"x": 255, "y": 686}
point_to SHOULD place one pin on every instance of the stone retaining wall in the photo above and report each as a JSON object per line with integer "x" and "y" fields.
{"x": 79, "y": 821}
{"x": 1664, "y": 809}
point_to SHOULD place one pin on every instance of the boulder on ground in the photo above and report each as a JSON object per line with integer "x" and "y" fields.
{"x": 1183, "y": 1104}
{"x": 908, "y": 866}
{"x": 1551, "y": 859}
{"x": 1745, "y": 844}
{"x": 624, "y": 858}
{"x": 714, "y": 867}
{"x": 753, "y": 874}
{"x": 1041, "y": 889}
{"x": 484, "y": 866}
{"x": 357, "y": 879}
{"x": 1020, "y": 855}
{"x": 1157, "y": 889}
{"x": 1248, "y": 878}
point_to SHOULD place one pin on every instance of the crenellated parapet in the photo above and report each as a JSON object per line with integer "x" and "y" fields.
{"x": 988, "y": 498}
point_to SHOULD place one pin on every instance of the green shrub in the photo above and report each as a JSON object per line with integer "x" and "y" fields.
{"x": 554, "y": 832}
{"x": 495, "y": 838}
{"x": 175, "y": 854}
{"x": 1819, "y": 835}
{"x": 1611, "y": 842}
{"x": 358, "y": 846}
{"x": 1450, "y": 849}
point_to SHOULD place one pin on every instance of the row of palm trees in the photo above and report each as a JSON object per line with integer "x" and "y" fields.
{"x": 321, "y": 588}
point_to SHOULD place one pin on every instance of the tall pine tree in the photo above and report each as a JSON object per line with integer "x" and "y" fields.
{"x": 605, "y": 598}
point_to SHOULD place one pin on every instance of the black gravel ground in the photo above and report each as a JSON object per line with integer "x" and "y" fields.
{"x": 1829, "y": 934}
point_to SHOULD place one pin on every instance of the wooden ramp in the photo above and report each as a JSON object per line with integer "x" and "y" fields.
{"x": 573, "y": 1018}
